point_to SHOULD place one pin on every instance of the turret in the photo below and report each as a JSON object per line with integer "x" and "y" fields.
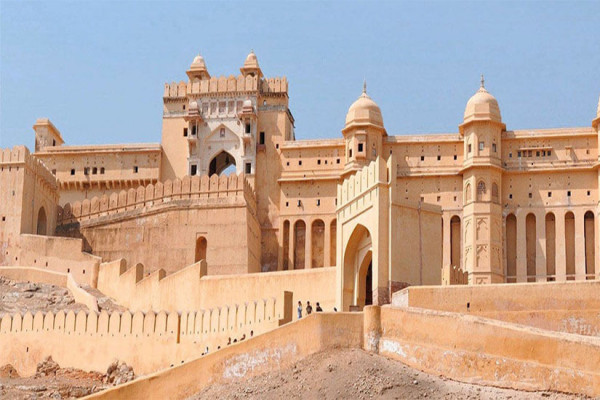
{"x": 363, "y": 131}
{"x": 251, "y": 66}
{"x": 46, "y": 134}
{"x": 198, "y": 69}
{"x": 482, "y": 179}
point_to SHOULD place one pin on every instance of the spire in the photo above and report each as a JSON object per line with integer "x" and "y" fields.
{"x": 482, "y": 82}
{"x": 365, "y": 86}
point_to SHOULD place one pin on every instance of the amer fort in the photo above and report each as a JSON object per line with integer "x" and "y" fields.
{"x": 472, "y": 256}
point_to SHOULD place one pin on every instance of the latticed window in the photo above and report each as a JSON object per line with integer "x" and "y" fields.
{"x": 480, "y": 190}
{"x": 222, "y": 105}
{"x": 494, "y": 192}
{"x": 213, "y": 108}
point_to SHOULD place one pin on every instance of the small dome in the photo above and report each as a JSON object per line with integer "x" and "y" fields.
{"x": 364, "y": 110}
{"x": 247, "y": 103}
{"x": 482, "y": 105}
{"x": 251, "y": 60}
{"x": 193, "y": 105}
{"x": 198, "y": 62}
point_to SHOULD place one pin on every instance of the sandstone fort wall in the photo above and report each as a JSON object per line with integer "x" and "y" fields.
{"x": 164, "y": 225}
{"x": 191, "y": 289}
{"x": 92, "y": 340}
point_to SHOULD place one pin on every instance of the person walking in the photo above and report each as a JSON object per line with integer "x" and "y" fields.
{"x": 308, "y": 308}
{"x": 319, "y": 309}
{"x": 299, "y": 309}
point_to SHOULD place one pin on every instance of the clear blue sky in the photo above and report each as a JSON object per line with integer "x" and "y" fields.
{"x": 97, "y": 69}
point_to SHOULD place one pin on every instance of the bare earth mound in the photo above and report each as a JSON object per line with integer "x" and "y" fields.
{"x": 356, "y": 374}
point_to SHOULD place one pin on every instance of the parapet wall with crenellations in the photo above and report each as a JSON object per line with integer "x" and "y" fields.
{"x": 92, "y": 340}
{"x": 191, "y": 289}
{"x": 172, "y": 224}
{"x": 203, "y": 189}
{"x": 225, "y": 84}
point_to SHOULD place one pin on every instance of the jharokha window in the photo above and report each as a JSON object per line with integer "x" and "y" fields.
{"x": 480, "y": 190}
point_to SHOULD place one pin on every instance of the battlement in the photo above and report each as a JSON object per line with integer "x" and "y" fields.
{"x": 363, "y": 180}
{"x": 190, "y": 187}
{"x": 19, "y": 156}
{"x": 225, "y": 84}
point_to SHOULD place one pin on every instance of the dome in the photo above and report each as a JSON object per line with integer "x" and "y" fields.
{"x": 198, "y": 62}
{"x": 364, "y": 111}
{"x": 247, "y": 103}
{"x": 193, "y": 105}
{"x": 482, "y": 105}
{"x": 251, "y": 60}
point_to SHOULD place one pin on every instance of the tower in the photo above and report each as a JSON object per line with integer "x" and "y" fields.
{"x": 363, "y": 132}
{"x": 198, "y": 69}
{"x": 46, "y": 134}
{"x": 482, "y": 179}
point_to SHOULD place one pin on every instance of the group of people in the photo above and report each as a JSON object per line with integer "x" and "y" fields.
{"x": 309, "y": 308}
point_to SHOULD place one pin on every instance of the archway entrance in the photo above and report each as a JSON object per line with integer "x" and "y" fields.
{"x": 222, "y": 163}
{"x": 200, "y": 249}
{"x": 41, "y": 222}
{"x": 358, "y": 270}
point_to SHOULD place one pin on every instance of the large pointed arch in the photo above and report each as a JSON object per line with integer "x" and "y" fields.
{"x": 358, "y": 257}
{"x": 222, "y": 163}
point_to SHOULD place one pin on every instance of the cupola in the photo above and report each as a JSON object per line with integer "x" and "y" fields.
{"x": 364, "y": 111}
{"x": 251, "y": 66}
{"x": 198, "y": 69}
{"x": 482, "y": 106}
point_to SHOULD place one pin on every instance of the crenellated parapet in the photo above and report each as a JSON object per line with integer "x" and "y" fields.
{"x": 225, "y": 84}
{"x": 19, "y": 156}
{"x": 197, "y": 189}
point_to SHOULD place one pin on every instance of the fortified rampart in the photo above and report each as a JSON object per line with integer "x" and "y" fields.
{"x": 91, "y": 340}
{"x": 56, "y": 254}
{"x": 225, "y": 84}
{"x": 28, "y": 197}
{"x": 190, "y": 288}
{"x": 172, "y": 223}
{"x": 454, "y": 345}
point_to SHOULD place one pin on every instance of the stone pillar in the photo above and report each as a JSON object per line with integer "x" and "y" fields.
{"x": 308, "y": 246}
{"x": 446, "y": 241}
{"x": 540, "y": 247}
{"x": 371, "y": 328}
{"x": 561, "y": 252}
{"x": 579, "y": 245}
{"x": 327, "y": 245}
{"x": 292, "y": 245}
{"x": 521, "y": 247}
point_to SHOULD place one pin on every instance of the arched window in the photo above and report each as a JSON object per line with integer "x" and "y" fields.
{"x": 480, "y": 190}
{"x": 495, "y": 192}
{"x": 41, "y": 222}
{"x": 201, "y": 245}
{"x": 468, "y": 195}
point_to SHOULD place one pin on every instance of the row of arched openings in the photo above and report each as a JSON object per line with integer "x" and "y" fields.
{"x": 552, "y": 236}
{"x": 298, "y": 258}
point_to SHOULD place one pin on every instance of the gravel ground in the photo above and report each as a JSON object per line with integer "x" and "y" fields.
{"x": 355, "y": 374}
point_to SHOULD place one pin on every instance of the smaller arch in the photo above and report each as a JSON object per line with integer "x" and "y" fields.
{"x": 468, "y": 193}
{"x": 299, "y": 244}
{"x": 495, "y": 192}
{"x": 590, "y": 246}
{"x": 286, "y": 245}
{"x": 511, "y": 248}
{"x": 201, "y": 246}
{"x": 481, "y": 190}
{"x": 42, "y": 222}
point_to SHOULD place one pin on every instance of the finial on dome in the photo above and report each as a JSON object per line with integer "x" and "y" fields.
{"x": 365, "y": 86}
{"x": 482, "y": 82}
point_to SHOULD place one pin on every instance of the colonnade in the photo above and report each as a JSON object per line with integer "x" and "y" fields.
{"x": 551, "y": 245}
{"x": 308, "y": 243}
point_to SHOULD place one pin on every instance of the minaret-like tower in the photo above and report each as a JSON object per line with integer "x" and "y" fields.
{"x": 482, "y": 179}
{"x": 198, "y": 69}
{"x": 363, "y": 132}
{"x": 251, "y": 66}
{"x": 46, "y": 134}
